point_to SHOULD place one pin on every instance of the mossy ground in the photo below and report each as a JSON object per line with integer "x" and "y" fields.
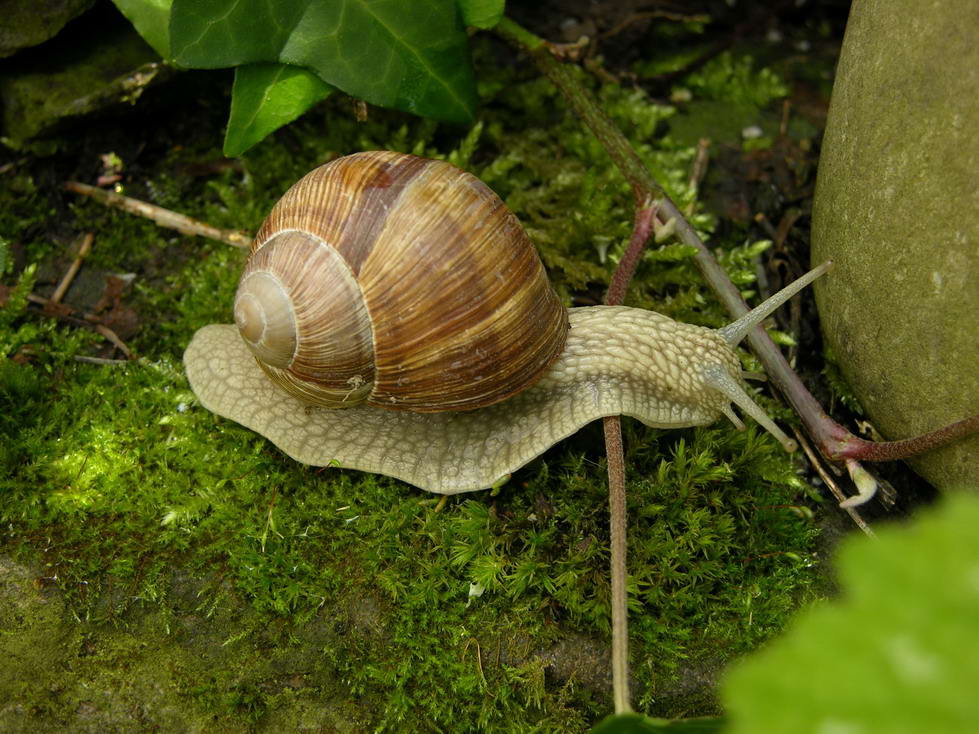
{"x": 190, "y": 577}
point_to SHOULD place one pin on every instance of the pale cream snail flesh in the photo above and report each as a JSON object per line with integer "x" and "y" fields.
{"x": 453, "y": 352}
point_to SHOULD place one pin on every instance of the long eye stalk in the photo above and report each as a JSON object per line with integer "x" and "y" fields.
{"x": 734, "y": 332}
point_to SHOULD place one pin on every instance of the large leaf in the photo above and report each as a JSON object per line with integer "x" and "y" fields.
{"x": 412, "y": 56}
{"x": 151, "y": 19}
{"x": 898, "y": 653}
{"x": 264, "y": 98}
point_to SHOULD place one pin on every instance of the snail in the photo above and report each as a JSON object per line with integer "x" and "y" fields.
{"x": 394, "y": 317}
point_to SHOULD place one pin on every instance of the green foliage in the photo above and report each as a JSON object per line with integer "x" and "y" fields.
{"x": 18, "y": 334}
{"x": 151, "y": 18}
{"x": 638, "y": 724}
{"x": 672, "y": 60}
{"x": 264, "y": 98}
{"x": 411, "y": 57}
{"x": 291, "y": 55}
{"x": 725, "y": 96}
{"x": 897, "y": 653}
{"x": 16, "y": 300}
{"x": 24, "y": 210}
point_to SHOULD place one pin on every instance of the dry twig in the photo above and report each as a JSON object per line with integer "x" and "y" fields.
{"x": 830, "y": 481}
{"x": 163, "y": 217}
{"x": 72, "y": 271}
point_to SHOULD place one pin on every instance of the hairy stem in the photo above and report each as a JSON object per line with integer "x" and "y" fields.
{"x": 617, "y": 514}
{"x": 859, "y": 448}
{"x": 642, "y": 228}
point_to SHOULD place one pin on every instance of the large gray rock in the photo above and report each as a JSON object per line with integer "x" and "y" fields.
{"x": 897, "y": 207}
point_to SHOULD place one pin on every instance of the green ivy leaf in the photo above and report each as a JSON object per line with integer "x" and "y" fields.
{"x": 151, "y": 19}
{"x": 481, "y": 13}
{"x": 264, "y": 98}
{"x": 639, "y": 724}
{"x": 410, "y": 56}
{"x": 898, "y": 653}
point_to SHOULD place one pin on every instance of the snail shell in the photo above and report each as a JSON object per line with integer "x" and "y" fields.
{"x": 325, "y": 305}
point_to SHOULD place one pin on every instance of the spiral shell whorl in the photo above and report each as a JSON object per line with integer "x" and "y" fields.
{"x": 265, "y": 319}
{"x": 299, "y": 297}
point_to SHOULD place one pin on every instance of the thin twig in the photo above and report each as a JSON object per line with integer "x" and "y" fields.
{"x": 697, "y": 171}
{"x": 830, "y": 482}
{"x": 568, "y": 51}
{"x": 114, "y": 338}
{"x": 72, "y": 271}
{"x": 163, "y": 217}
{"x": 479, "y": 657}
{"x": 653, "y": 15}
{"x": 617, "y": 552}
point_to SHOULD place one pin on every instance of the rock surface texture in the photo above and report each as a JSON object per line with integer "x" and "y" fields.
{"x": 897, "y": 208}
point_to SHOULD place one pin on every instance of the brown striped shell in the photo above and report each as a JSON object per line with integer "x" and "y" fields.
{"x": 401, "y": 282}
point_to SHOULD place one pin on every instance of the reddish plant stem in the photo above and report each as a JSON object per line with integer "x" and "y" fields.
{"x": 858, "y": 448}
{"x": 617, "y": 551}
{"x": 641, "y": 229}
{"x": 618, "y": 520}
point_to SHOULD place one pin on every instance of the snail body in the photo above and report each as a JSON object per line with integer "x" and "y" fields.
{"x": 514, "y": 373}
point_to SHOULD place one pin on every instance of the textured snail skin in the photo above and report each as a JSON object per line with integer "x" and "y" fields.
{"x": 617, "y": 361}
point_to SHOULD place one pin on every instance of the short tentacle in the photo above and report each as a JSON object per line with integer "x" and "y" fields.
{"x": 733, "y": 417}
{"x": 718, "y": 378}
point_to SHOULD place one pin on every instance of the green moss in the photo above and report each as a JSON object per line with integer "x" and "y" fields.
{"x": 735, "y": 79}
{"x": 726, "y": 95}
{"x": 199, "y": 569}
